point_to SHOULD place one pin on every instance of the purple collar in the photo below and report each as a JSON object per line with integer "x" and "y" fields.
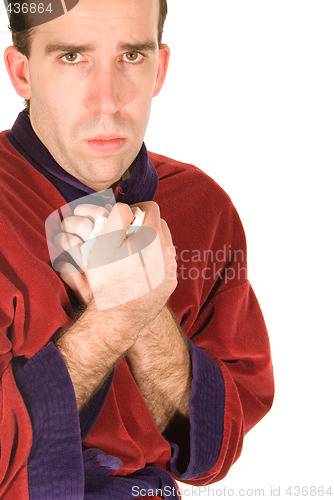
{"x": 140, "y": 186}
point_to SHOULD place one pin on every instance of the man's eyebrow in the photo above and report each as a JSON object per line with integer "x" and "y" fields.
{"x": 149, "y": 46}
{"x": 51, "y": 48}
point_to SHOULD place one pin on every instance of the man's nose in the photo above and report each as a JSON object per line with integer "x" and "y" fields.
{"x": 104, "y": 95}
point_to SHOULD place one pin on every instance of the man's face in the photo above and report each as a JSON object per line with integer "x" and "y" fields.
{"x": 92, "y": 74}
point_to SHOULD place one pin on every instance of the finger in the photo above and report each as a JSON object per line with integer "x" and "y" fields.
{"x": 66, "y": 269}
{"x": 80, "y": 226}
{"x": 111, "y": 238}
{"x": 152, "y": 212}
{"x": 170, "y": 250}
{"x": 166, "y": 233}
{"x": 120, "y": 218}
{"x": 92, "y": 212}
{"x": 65, "y": 241}
{"x": 69, "y": 245}
{"x": 152, "y": 217}
{"x": 151, "y": 225}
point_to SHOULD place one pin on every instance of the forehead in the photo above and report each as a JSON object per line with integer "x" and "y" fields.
{"x": 107, "y": 19}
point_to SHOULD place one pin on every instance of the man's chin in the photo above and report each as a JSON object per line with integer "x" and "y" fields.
{"x": 102, "y": 174}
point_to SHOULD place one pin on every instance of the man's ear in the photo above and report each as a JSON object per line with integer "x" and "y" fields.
{"x": 17, "y": 66}
{"x": 164, "y": 54}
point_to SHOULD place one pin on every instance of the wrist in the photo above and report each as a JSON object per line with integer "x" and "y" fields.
{"x": 90, "y": 351}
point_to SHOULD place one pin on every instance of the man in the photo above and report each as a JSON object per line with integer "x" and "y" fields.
{"x": 116, "y": 401}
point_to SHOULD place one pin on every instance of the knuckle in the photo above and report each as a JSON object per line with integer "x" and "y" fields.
{"x": 65, "y": 223}
{"x": 90, "y": 211}
{"x": 85, "y": 224}
{"x": 124, "y": 209}
{"x": 81, "y": 209}
{"x": 64, "y": 241}
{"x": 171, "y": 252}
{"x": 150, "y": 207}
{"x": 122, "y": 206}
{"x": 77, "y": 224}
{"x": 155, "y": 207}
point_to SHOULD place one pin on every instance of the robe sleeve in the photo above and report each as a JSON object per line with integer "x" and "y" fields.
{"x": 233, "y": 383}
{"x": 230, "y": 393}
{"x": 15, "y": 427}
{"x": 197, "y": 447}
{"x": 55, "y": 464}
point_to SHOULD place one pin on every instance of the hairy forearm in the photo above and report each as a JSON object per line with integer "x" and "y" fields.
{"x": 90, "y": 352}
{"x": 160, "y": 364}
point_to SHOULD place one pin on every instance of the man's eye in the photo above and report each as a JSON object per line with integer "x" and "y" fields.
{"x": 72, "y": 57}
{"x": 133, "y": 57}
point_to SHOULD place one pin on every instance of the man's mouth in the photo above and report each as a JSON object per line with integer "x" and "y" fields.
{"x": 110, "y": 144}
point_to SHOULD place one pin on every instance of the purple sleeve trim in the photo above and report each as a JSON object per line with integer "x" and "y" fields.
{"x": 206, "y": 405}
{"x": 55, "y": 465}
{"x": 91, "y": 412}
{"x": 148, "y": 481}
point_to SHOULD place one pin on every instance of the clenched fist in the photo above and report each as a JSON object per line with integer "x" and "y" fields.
{"x": 133, "y": 273}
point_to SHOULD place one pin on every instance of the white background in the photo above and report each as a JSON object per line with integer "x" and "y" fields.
{"x": 249, "y": 100}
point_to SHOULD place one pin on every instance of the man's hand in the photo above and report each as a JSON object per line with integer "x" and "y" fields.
{"x": 106, "y": 335}
{"x": 112, "y": 263}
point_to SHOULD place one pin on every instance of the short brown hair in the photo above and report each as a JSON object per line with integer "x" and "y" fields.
{"x": 22, "y": 31}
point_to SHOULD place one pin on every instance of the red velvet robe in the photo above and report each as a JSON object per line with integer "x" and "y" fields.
{"x": 221, "y": 316}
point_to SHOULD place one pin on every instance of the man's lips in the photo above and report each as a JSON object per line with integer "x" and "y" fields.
{"x": 102, "y": 137}
{"x": 106, "y": 144}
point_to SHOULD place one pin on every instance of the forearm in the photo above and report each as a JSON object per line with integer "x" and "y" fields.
{"x": 160, "y": 364}
{"x": 91, "y": 349}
